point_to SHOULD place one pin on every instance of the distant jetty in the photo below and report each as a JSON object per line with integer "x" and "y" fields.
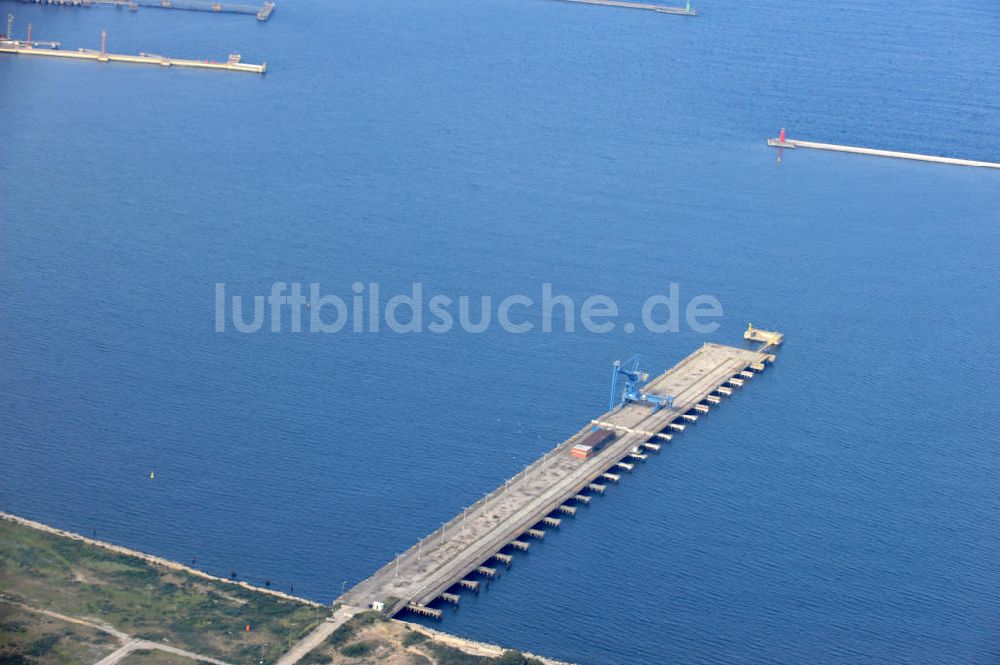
{"x": 28, "y": 47}
{"x": 783, "y": 142}
{"x": 663, "y": 9}
{"x": 262, "y": 12}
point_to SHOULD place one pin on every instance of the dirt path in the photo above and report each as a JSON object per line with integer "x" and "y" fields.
{"x": 129, "y": 643}
{"x": 145, "y": 645}
{"x": 118, "y": 654}
{"x": 103, "y": 627}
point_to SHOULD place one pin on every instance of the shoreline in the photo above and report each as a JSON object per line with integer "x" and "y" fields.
{"x": 476, "y": 648}
{"x": 469, "y": 646}
{"x": 153, "y": 559}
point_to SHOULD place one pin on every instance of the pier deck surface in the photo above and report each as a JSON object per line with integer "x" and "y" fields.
{"x": 663, "y": 9}
{"x": 795, "y": 143}
{"x": 140, "y": 59}
{"x": 263, "y": 11}
{"x": 470, "y": 539}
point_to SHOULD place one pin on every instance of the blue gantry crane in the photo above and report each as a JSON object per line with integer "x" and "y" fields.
{"x": 627, "y": 382}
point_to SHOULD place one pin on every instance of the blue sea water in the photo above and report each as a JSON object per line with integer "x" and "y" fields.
{"x": 842, "y": 508}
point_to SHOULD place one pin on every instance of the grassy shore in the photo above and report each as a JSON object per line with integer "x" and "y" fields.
{"x": 140, "y": 599}
{"x": 65, "y": 600}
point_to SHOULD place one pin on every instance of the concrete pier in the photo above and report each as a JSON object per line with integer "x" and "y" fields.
{"x": 791, "y": 143}
{"x": 503, "y": 518}
{"x": 262, "y": 12}
{"x": 234, "y": 64}
{"x": 662, "y": 9}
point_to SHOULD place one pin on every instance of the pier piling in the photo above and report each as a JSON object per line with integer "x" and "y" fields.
{"x": 504, "y": 558}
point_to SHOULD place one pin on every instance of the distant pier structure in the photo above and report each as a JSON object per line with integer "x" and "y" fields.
{"x": 782, "y": 142}
{"x": 30, "y": 47}
{"x": 262, "y": 12}
{"x": 233, "y": 64}
{"x": 7, "y": 39}
{"x": 645, "y": 415}
{"x": 662, "y": 9}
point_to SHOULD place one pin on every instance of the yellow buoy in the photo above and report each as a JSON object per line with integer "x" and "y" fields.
{"x": 152, "y": 476}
